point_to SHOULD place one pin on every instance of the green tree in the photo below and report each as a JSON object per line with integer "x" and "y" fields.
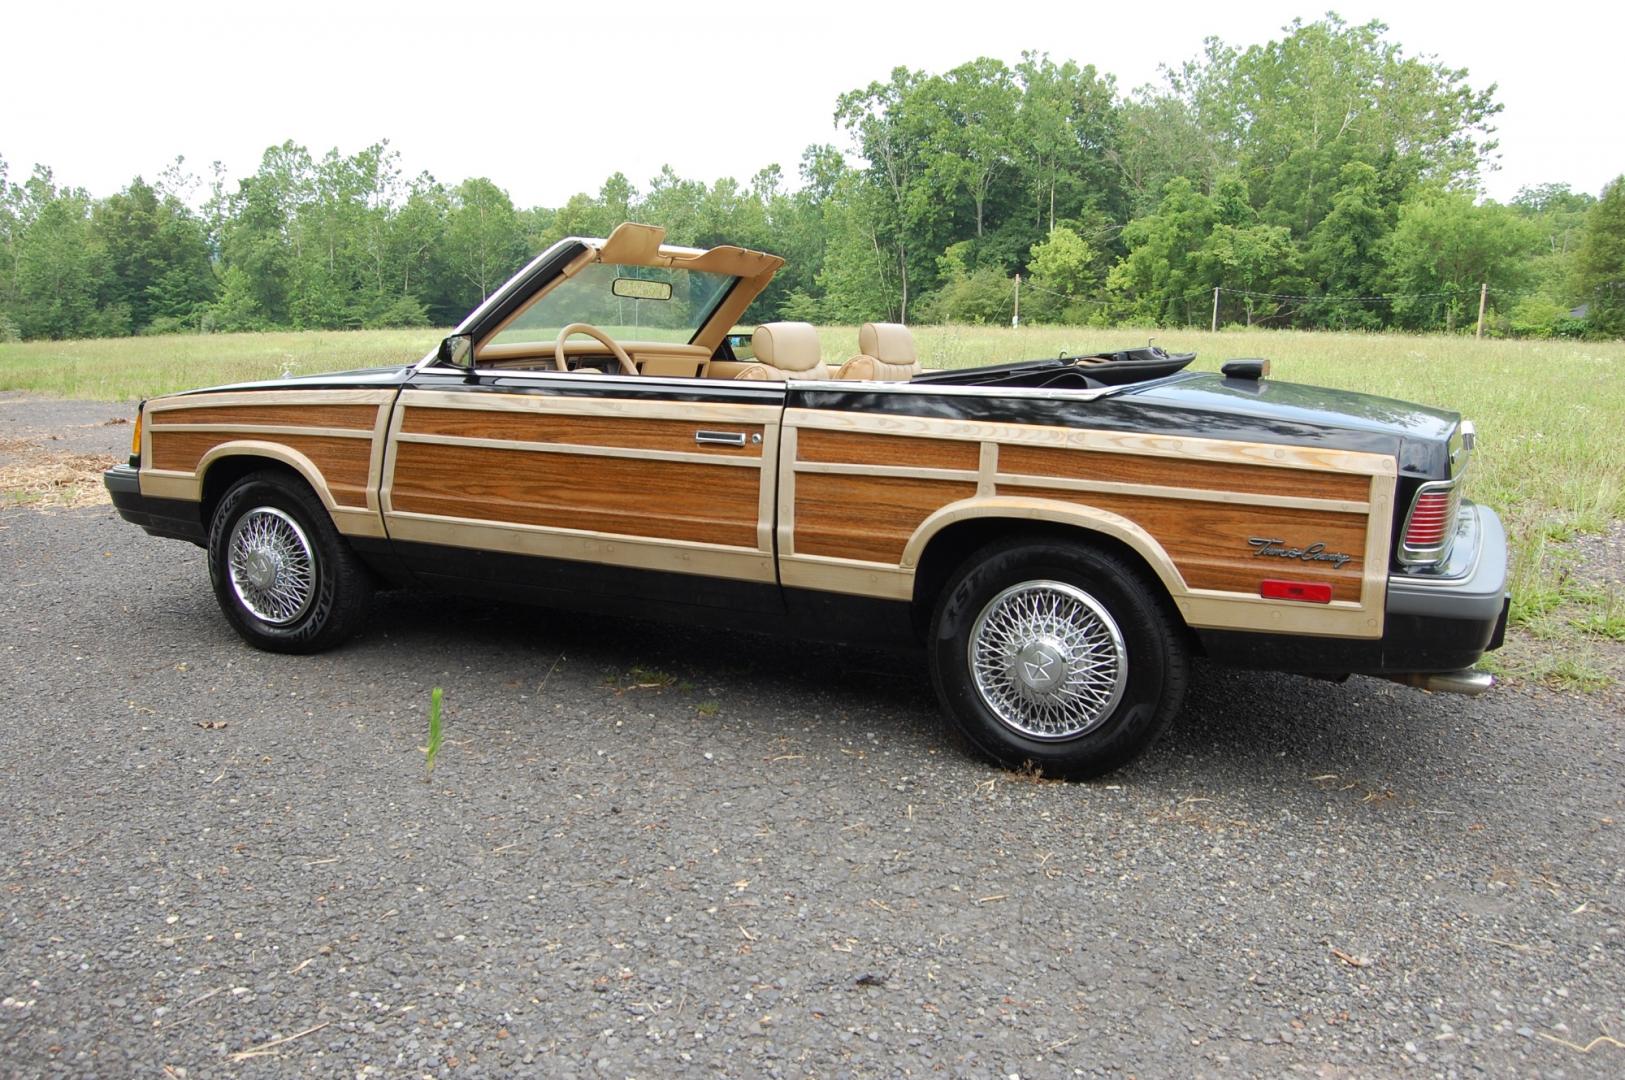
{"x": 1164, "y": 277}
{"x": 1444, "y": 247}
{"x": 1345, "y": 254}
{"x": 1600, "y": 267}
{"x": 482, "y": 243}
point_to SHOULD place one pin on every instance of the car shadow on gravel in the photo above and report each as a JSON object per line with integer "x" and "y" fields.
{"x": 1234, "y": 723}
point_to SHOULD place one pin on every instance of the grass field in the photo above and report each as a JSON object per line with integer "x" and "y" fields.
{"x": 1550, "y": 415}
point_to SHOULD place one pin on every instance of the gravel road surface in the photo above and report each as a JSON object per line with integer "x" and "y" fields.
{"x": 646, "y": 851}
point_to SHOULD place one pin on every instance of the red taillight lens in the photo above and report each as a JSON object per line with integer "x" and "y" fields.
{"x": 1430, "y": 520}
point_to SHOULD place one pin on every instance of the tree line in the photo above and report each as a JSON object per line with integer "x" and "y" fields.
{"x": 1322, "y": 180}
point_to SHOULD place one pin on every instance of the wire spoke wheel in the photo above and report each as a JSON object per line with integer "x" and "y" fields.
{"x": 271, "y": 566}
{"x": 1048, "y": 660}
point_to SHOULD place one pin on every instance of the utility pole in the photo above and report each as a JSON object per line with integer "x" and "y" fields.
{"x": 1483, "y": 296}
{"x": 1015, "y": 320}
{"x": 1215, "y": 309}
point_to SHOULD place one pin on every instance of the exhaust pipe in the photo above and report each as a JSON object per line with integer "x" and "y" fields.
{"x": 1469, "y": 681}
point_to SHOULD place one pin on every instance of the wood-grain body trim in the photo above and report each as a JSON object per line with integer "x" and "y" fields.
{"x": 866, "y": 518}
{"x": 626, "y": 432}
{"x": 357, "y": 418}
{"x": 1143, "y": 471}
{"x": 1208, "y": 542}
{"x": 702, "y": 503}
{"x": 860, "y": 448}
{"x": 341, "y": 463}
{"x": 1183, "y": 448}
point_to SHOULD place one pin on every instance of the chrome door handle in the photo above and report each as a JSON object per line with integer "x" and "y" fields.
{"x": 720, "y": 438}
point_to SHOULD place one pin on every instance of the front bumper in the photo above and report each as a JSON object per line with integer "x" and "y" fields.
{"x": 175, "y": 518}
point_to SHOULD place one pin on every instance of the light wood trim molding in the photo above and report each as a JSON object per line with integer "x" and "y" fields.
{"x": 827, "y": 574}
{"x": 906, "y": 472}
{"x": 708, "y": 412}
{"x": 683, "y": 557}
{"x": 987, "y": 470}
{"x": 786, "y": 517}
{"x": 291, "y": 396}
{"x": 1025, "y": 509}
{"x": 266, "y": 429}
{"x": 585, "y": 450}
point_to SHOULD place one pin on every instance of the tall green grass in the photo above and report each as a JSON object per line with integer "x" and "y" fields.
{"x": 127, "y": 369}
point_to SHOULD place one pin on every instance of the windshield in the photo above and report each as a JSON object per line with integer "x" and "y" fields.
{"x": 630, "y": 303}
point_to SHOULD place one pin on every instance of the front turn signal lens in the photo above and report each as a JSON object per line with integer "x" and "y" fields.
{"x": 135, "y": 440}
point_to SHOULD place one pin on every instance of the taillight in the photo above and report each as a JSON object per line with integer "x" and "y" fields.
{"x": 1430, "y": 520}
{"x": 1431, "y": 524}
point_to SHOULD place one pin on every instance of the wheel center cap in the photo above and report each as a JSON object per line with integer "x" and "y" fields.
{"x": 261, "y": 568}
{"x": 1039, "y": 665}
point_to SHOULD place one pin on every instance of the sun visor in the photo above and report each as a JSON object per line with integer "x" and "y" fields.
{"x": 736, "y": 261}
{"x": 632, "y": 244}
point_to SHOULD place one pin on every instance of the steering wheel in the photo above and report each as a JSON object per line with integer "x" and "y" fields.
{"x": 627, "y": 366}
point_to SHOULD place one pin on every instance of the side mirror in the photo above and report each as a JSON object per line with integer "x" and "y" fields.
{"x": 457, "y": 351}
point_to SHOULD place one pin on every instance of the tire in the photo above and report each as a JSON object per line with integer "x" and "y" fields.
{"x": 283, "y": 575}
{"x": 1056, "y": 656}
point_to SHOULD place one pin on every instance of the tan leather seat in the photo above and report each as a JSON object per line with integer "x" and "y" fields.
{"x": 785, "y": 350}
{"x": 885, "y": 354}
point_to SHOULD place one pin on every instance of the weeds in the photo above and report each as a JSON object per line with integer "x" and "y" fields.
{"x": 435, "y": 733}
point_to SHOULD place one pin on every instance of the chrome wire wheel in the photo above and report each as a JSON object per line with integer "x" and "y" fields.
{"x": 1048, "y": 660}
{"x": 272, "y": 569}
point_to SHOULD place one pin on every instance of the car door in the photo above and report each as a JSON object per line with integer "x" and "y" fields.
{"x": 561, "y": 487}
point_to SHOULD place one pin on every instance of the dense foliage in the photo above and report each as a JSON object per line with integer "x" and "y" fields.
{"x": 1325, "y": 179}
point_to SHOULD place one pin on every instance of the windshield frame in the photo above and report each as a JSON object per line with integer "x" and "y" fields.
{"x": 507, "y": 334}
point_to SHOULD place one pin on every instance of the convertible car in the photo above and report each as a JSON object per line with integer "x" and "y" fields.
{"x": 1058, "y": 536}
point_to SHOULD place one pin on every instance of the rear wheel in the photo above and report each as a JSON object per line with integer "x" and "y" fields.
{"x": 1056, "y": 656}
{"x": 283, "y": 575}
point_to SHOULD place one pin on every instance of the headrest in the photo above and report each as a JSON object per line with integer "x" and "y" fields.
{"x": 788, "y": 346}
{"x": 887, "y": 341}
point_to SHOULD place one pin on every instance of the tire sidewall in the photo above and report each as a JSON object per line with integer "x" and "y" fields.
{"x": 1155, "y": 672}
{"x": 308, "y": 631}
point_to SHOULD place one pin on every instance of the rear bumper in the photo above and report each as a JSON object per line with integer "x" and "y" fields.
{"x": 174, "y": 518}
{"x": 1438, "y": 622}
{"x": 1447, "y": 620}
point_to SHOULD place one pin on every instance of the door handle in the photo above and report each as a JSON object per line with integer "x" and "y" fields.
{"x": 720, "y": 438}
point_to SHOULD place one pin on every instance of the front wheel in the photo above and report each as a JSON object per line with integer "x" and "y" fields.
{"x": 1056, "y": 656}
{"x": 282, "y": 574}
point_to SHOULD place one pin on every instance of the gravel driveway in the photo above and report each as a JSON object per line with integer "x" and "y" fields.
{"x": 646, "y": 851}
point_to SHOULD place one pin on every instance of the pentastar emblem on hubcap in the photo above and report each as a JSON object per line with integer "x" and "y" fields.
{"x": 1039, "y": 665}
{"x": 261, "y": 568}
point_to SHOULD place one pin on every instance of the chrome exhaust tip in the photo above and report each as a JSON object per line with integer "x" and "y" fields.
{"x": 1469, "y": 681}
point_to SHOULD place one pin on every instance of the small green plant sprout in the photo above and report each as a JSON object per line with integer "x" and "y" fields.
{"x": 435, "y": 733}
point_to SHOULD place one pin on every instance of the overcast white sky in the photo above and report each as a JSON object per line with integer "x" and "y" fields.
{"x": 549, "y": 100}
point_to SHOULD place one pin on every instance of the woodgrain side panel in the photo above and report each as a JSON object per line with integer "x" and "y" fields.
{"x": 1208, "y": 542}
{"x": 672, "y": 500}
{"x": 858, "y": 448}
{"x": 639, "y": 434}
{"x": 1211, "y": 475}
{"x": 867, "y": 518}
{"x": 342, "y": 462}
{"x": 354, "y": 417}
